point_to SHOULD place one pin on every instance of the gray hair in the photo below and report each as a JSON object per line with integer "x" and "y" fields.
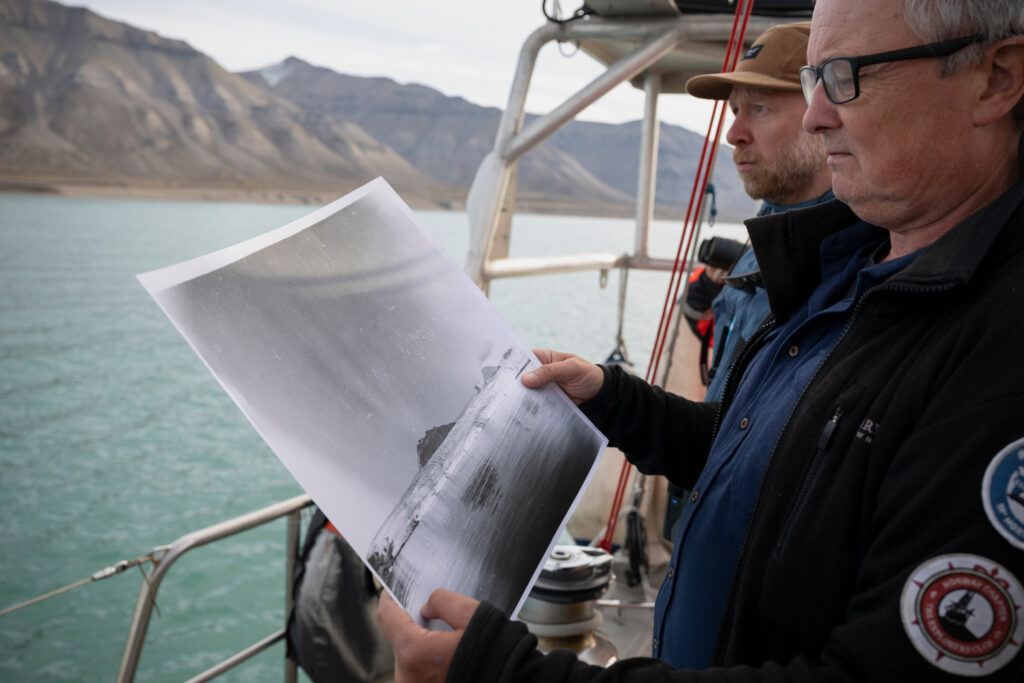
{"x": 935, "y": 20}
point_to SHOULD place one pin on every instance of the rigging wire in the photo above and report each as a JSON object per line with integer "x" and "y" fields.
{"x": 620, "y": 342}
{"x": 706, "y": 163}
{"x": 105, "y": 573}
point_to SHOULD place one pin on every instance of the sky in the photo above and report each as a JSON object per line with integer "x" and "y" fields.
{"x": 465, "y": 48}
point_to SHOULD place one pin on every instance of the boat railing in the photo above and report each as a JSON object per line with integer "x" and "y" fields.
{"x": 657, "y": 53}
{"x": 292, "y": 509}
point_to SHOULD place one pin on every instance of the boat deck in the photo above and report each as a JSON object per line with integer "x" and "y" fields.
{"x": 630, "y": 628}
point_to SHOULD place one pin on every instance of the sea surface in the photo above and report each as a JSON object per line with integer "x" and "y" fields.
{"x": 115, "y": 439}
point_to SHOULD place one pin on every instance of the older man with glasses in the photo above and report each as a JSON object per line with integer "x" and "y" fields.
{"x": 880, "y": 407}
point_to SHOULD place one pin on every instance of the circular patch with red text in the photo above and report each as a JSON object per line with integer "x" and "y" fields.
{"x": 962, "y": 613}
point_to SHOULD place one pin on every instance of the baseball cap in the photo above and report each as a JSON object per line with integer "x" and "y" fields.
{"x": 773, "y": 61}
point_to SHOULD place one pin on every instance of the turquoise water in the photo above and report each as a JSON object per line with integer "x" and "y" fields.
{"x": 114, "y": 438}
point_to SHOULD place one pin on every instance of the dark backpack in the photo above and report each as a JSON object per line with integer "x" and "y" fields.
{"x": 332, "y": 630}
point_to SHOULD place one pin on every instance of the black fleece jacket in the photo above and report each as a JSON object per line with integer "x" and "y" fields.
{"x": 878, "y": 471}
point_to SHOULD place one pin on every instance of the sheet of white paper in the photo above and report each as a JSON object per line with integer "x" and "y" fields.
{"x": 389, "y": 387}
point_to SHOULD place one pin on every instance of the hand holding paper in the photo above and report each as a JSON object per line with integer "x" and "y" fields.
{"x": 391, "y": 390}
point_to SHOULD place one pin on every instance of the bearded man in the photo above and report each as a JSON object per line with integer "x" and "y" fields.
{"x": 778, "y": 162}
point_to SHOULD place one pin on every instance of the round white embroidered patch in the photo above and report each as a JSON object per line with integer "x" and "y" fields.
{"x": 962, "y": 613}
{"x": 1002, "y": 493}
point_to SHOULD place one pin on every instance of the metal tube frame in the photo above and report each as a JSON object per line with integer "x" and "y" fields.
{"x": 236, "y": 659}
{"x": 147, "y": 593}
{"x": 489, "y": 203}
{"x": 645, "y": 187}
{"x": 491, "y": 197}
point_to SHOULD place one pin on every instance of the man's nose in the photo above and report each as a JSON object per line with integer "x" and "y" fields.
{"x": 821, "y": 114}
{"x": 738, "y": 133}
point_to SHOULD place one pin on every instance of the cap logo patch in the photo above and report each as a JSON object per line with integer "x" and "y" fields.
{"x": 752, "y": 52}
{"x": 962, "y": 613}
{"x": 1002, "y": 493}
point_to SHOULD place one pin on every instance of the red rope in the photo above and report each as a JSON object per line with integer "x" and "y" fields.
{"x": 700, "y": 183}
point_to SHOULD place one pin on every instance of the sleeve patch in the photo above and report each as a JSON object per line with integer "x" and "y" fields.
{"x": 1002, "y": 493}
{"x": 962, "y": 613}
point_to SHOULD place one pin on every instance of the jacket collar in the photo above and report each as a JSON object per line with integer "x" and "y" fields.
{"x": 769, "y": 207}
{"x": 787, "y": 246}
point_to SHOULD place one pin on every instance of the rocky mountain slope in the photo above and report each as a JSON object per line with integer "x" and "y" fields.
{"x": 105, "y": 107}
{"x": 89, "y": 100}
{"x": 444, "y": 137}
{"x": 447, "y": 137}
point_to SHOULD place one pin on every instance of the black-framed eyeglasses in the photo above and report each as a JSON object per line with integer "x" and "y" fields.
{"x": 839, "y": 74}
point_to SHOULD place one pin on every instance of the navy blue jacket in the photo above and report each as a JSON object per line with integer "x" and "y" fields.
{"x": 742, "y": 304}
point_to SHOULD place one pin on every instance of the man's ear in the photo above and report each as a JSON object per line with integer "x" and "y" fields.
{"x": 1002, "y": 92}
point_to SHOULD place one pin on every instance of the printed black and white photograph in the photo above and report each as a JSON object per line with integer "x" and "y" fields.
{"x": 390, "y": 388}
{"x": 462, "y": 504}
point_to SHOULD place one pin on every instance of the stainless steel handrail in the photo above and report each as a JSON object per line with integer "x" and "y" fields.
{"x": 161, "y": 565}
{"x": 490, "y": 199}
{"x": 640, "y": 44}
{"x": 240, "y": 657}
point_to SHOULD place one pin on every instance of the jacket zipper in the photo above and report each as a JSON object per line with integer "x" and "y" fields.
{"x": 812, "y": 474}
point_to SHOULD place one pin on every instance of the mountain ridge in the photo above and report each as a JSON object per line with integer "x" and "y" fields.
{"x": 411, "y": 119}
{"x": 93, "y": 106}
{"x": 89, "y": 100}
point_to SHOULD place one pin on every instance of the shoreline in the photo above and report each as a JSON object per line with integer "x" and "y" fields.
{"x": 318, "y": 196}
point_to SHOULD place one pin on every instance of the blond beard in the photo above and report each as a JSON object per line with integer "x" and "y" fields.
{"x": 789, "y": 175}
